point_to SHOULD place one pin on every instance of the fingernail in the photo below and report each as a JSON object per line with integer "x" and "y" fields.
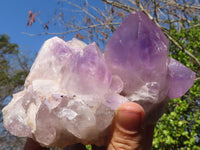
{"x": 129, "y": 120}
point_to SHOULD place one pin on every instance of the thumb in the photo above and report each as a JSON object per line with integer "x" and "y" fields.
{"x": 127, "y": 127}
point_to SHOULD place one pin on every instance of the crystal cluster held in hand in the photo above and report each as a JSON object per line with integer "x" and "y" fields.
{"x": 73, "y": 89}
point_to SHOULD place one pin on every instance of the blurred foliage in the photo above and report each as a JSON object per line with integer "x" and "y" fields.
{"x": 13, "y": 67}
{"x": 13, "y": 70}
{"x": 89, "y": 147}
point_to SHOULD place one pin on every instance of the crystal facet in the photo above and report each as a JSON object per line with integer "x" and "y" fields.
{"x": 73, "y": 89}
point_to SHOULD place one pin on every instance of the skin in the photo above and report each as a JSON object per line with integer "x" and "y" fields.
{"x": 129, "y": 132}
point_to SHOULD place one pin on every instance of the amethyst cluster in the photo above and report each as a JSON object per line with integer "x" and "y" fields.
{"x": 73, "y": 89}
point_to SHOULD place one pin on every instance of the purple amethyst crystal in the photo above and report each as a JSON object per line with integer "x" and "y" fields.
{"x": 138, "y": 54}
{"x": 73, "y": 90}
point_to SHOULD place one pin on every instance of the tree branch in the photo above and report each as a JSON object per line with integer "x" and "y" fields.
{"x": 197, "y": 79}
{"x": 194, "y": 26}
{"x": 71, "y": 31}
{"x": 181, "y": 48}
{"x": 120, "y": 5}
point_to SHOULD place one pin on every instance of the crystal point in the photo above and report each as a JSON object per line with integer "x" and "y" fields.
{"x": 181, "y": 79}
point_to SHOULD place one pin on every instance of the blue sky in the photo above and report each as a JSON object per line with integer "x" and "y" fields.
{"x": 13, "y": 19}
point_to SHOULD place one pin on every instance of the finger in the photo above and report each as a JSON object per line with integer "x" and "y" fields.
{"x": 127, "y": 127}
{"x": 33, "y": 145}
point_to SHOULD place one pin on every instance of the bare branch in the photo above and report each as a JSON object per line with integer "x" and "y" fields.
{"x": 197, "y": 79}
{"x": 181, "y": 48}
{"x": 83, "y": 10}
{"x": 72, "y": 31}
{"x": 120, "y": 5}
{"x": 194, "y": 26}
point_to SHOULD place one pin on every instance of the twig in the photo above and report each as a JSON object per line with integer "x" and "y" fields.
{"x": 71, "y": 31}
{"x": 197, "y": 79}
{"x": 181, "y": 48}
{"x": 194, "y": 26}
{"x": 120, "y": 5}
{"x": 83, "y": 10}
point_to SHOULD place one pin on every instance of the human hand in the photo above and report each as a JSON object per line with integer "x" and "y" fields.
{"x": 128, "y": 131}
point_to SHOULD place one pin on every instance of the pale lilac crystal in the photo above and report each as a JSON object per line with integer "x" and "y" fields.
{"x": 73, "y": 89}
{"x": 69, "y": 95}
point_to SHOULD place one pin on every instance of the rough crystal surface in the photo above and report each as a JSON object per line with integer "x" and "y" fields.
{"x": 73, "y": 89}
{"x": 68, "y": 93}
